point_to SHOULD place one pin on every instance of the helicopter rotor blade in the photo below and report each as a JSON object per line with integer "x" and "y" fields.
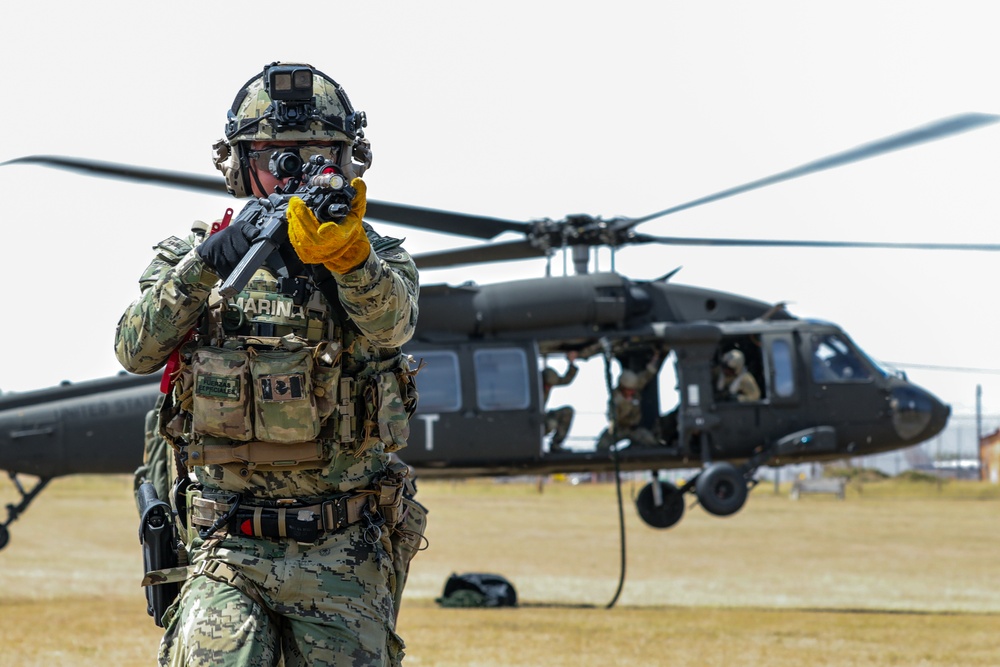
{"x": 514, "y": 250}
{"x": 579, "y": 229}
{"x": 494, "y": 252}
{"x": 787, "y": 243}
{"x": 931, "y": 132}
{"x": 463, "y": 224}
{"x": 177, "y": 179}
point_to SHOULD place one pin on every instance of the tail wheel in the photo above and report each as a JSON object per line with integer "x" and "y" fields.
{"x": 721, "y": 489}
{"x": 662, "y": 515}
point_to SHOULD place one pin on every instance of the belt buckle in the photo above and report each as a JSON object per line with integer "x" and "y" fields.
{"x": 334, "y": 513}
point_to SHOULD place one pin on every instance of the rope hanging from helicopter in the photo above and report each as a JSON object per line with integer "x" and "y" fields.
{"x": 613, "y": 425}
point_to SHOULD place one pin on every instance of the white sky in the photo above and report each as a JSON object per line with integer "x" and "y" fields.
{"x": 524, "y": 110}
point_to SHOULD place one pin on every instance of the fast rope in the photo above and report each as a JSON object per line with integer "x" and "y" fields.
{"x": 606, "y": 347}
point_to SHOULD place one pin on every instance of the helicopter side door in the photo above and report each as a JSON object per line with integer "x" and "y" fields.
{"x": 741, "y": 414}
{"x": 478, "y": 405}
{"x": 747, "y": 421}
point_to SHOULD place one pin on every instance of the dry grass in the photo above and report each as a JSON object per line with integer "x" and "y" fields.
{"x": 897, "y": 574}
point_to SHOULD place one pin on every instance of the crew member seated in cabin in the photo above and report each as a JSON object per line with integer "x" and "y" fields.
{"x": 626, "y": 399}
{"x": 734, "y": 381}
{"x": 559, "y": 420}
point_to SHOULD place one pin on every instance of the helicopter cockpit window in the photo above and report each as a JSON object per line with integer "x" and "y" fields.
{"x": 439, "y": 382}
{"x": 501, "y": 379}
{"x": 835, "y": 361}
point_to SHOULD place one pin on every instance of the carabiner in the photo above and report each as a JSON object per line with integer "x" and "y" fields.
{"x": 374, "y": 521}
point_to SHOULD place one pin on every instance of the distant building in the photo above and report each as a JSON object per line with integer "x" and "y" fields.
{"x": 989, "y": 458}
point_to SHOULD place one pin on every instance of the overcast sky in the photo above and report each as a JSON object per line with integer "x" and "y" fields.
{"x": 525, "y": 110}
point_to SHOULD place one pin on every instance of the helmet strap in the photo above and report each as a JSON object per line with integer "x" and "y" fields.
{"x": 247, "y": 170}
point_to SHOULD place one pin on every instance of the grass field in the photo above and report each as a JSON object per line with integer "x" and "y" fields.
{"x": 897, "y": 574}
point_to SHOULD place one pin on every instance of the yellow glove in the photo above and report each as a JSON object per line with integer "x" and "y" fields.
{"x": 339, "y": 247}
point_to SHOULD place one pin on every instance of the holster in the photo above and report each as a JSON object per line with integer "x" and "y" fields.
{"x": 159, "y": 549}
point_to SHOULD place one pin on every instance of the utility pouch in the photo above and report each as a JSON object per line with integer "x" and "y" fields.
{"x": 344, "y": 428}
{"x": 284, "y": 404}
{"x": 156, "y": 535}
{"x": 220, "y": 406}
{"x": 408, "y": 538}
{"x": 393, "y": 420}
{"x": 326, "y": 381}
{"x": 192, "y": 495}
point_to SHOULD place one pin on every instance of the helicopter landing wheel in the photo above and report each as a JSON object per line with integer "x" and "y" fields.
{"x": 721, "y": 489}
{"x": 4, "y": 537}
{"x": 668, "y": 512}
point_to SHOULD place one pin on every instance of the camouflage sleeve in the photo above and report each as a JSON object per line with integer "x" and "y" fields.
{"x": 381, "y": 295}
{"x": 647, "y": 374}
{"x": 570, "y": 374}
{"x": 174, "y": 287}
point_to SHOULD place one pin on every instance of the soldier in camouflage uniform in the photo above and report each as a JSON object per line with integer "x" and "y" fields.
{"x": 627, "y": 406}
{"x": 285, "y": 404}
{"x": 559, "y": 420}
{"x": 734, "y": 381}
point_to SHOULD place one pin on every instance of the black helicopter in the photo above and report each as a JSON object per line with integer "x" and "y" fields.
{"x": 481, "y": 410}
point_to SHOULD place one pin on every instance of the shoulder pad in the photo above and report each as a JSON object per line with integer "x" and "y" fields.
{"x": 172, "y": 249}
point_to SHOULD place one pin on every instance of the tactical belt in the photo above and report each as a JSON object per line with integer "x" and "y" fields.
{"x": 302, "y": 523}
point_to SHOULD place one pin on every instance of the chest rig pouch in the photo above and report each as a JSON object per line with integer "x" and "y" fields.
{"x": 261, "y": 382}
{"x": 246, "y": 394}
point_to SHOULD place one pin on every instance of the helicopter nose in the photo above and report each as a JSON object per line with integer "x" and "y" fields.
{"x": 917, "y": 414}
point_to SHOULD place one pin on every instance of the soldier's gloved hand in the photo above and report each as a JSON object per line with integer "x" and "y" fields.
{"x": 224, "y": 249}
{"x": 340, "y": 247}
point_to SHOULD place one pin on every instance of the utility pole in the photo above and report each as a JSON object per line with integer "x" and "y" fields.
{"x": 979, "y": 430}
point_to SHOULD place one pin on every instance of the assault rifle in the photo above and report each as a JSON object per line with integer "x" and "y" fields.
{"x": 319, "y": 185}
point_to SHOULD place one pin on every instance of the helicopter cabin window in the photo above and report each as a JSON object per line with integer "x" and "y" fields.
{"x": 439, "y": 382}
{"x": 835, "y": 361}
{"x": 501, "y": 379}
{"x": 784, "y": 374}
{"x": 738, "y": 369}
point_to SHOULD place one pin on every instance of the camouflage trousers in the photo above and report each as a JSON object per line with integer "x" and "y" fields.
{"x": 559, "y": 420}
{"x": 328, "y": 603}
{"x": 639, "y": 437}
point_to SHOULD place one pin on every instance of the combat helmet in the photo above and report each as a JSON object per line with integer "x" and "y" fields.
{"x": 278, "y": 105}
{"x": 733, "y": 359}
{"x": 629, "y": 379}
